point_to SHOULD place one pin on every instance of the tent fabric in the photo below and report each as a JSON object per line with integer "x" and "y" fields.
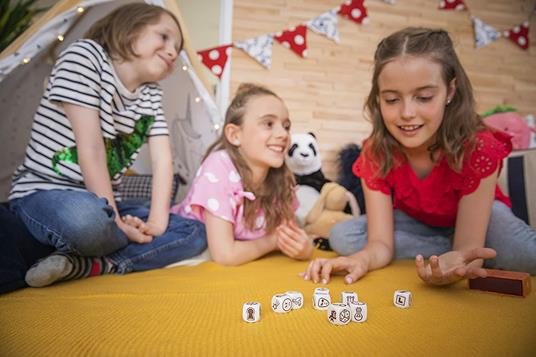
{"x": 197, "y": 311}
{"x": 192, "y": 115}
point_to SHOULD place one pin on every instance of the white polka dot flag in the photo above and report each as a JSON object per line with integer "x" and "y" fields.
{"x": 355, "y": 10}
{"x": 260, "y": 48}
{"x": 520, "y": 35}
{"x": 484, "y": 33}
{"x": 294, "y": 39}
{"x": 216, "y": 58}
{"x": 452, "y": 5}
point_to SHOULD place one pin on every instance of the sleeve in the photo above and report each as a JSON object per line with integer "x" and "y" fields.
{"x": 212, "y": 189}
{"x": 160, "y": 126}
{"x": 76, "y": 77}
{"x": 488, "y": 154}
{"x": 368, "y": 171}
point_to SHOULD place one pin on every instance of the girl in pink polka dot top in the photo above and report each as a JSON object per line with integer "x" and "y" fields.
{"x": 429, "y": 173}
{"x": 243, "y": 191}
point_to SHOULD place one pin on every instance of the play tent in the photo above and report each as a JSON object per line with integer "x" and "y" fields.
{"x": 192, "y": 115}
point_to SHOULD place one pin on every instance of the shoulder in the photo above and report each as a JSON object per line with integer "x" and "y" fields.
{"x": 84, "y": 53}
{"x": 218, "y": 164}
{"x": 489, "y": 149}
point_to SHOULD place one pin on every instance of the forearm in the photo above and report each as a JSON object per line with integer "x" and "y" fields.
{"x": 376, "y": 253}
{"x": 161, "y": 196}
{"x": 240, "y": 252}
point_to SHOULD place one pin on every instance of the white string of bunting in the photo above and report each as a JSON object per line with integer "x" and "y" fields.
{"x": 326, "y": 24}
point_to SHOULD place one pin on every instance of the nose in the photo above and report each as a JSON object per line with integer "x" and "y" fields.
{"x": 408, "y": 109}
{"x": 171, "y": 52}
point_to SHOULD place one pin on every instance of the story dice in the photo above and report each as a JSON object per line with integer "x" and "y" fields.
{"x": 349, "y": 296}
{"x": 359, "y": 311}
{"x": 339, "y": 314}
{"x": 402, "y": 299}
{"x": 281, "y": 303}
{"x": 251, "y": 312}
{"x": 297, "y": 299}
{"x": 321, "y": 298}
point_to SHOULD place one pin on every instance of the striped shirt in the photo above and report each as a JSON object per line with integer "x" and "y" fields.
{"x": 83, "y": 75}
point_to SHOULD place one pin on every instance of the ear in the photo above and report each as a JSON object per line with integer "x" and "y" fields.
{"x": 232, "y": 134}
{"x": 451, "y": 90}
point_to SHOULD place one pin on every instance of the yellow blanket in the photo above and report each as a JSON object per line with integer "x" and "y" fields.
{"x": 196, "y": 311}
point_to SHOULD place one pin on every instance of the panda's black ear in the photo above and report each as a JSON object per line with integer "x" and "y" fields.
{"x": 312, "y": 134}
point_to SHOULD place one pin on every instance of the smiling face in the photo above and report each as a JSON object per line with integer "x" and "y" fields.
{"x": 412, "y": 98}
{"x": 157, "y": 47}
{"x": 263, "y": 137}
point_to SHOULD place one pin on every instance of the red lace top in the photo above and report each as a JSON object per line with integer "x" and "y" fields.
{"x": 434, "y": 199}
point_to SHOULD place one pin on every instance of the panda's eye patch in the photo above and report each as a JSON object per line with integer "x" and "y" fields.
{"x": 312, "y": 148}
{"x": 292, "y": 149}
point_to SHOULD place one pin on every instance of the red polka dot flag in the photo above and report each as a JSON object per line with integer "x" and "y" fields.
{"x": 294, "y": 39}
{"x": 354, "y": 10}
{"x": 519, "y": 35}
{"x": 452, "y": 5}
{"x": 215, "y": 58}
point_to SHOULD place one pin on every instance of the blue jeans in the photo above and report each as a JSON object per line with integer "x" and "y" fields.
{"x": 82, "y": 223}
{"x": 513, "y": 239}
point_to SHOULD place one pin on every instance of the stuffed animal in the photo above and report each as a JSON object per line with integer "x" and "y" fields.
{"x": 505, "y": 118}
{"x": 322, "y": 202}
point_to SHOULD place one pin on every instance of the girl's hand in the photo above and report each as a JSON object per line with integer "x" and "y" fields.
{"x": 453, "y": 266}
{"x": 148, "y": 228}
{"x": 321, "y": 268}
{"x": 133, "y": 233}
{"x": 293, "y": 241}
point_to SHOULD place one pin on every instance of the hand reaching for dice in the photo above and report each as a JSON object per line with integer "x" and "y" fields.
{"x": 453, "y": 266}
{"x": 320, "y": 269}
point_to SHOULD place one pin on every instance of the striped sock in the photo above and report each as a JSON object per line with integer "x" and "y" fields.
{"x": 61, "y": 266}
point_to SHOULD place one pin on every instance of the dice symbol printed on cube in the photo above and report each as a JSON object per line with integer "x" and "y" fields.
{"x": 359, "y": 311}
{"x": 297, "y": 299}
{"x": 251, "y": 312}
{"x": 358, "y": 315}
{"x": 402, "y": 299}
{"x": 281, "y": 303}
{"x": 339, "y": 314}
{"x": 332, "y": 316}
{"x": 344, "y": 316}
{"x": 323, "y": 302}
{"x": 349, "y": 296}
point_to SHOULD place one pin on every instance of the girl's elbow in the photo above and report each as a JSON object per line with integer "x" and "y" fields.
{"x": 225, "y": 259}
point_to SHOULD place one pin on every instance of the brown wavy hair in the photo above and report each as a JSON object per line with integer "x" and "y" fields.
{"x": 275, "y": 195}
{"x": 117, "y": 32}
{"x": 460, "y": 121}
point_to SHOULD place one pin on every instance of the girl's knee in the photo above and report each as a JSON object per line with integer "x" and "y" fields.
{"x": 348, "y": 237}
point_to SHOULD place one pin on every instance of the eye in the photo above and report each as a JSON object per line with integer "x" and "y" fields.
{"x": 391, "y": 100}
{"x": 287, "y": 125}
{"x": 268, "y": 123}
{"x": 425, "y": 98}
{"x": 164, "y": 36}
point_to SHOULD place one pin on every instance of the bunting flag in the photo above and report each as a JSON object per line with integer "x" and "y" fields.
{"x": 326, "y": 24}
{"x": 354, "y": 10}
{"x": 216, "y": 58}
{"x": 260, "y": 48}
{"x": 452, "y": 5}
{"x": 294, "y": 39}
{"x": 519, "y": 35}
{"x": 484, "y": 34}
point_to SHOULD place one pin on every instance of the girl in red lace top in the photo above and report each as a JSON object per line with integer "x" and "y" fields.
{"x": 429, "y": 173}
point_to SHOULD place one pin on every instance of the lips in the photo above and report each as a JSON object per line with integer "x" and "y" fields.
{"x": 410, "y": 128}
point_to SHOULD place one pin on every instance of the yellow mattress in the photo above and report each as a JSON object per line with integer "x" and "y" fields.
{"x": 196, "y": 311}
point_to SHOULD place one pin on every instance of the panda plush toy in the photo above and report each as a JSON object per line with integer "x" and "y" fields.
{"x": 303, "y": 159}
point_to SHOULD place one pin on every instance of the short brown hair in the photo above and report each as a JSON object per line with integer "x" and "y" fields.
{"x": 275, "y": 197}
{"x": 118, "y": 31}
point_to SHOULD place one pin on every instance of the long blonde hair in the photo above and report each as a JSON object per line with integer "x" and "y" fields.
{"x": 275, "y": 196}
{"x": 460, "y": 122}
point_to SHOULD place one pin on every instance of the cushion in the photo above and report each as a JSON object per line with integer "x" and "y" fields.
{"x": 518, "y": 181}
{"x": 138, "y": 187}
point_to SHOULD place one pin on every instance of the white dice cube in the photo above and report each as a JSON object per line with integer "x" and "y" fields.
{"x": 402, "y": 299}
{"x": 251, "y": 312}
{"x": 297, "y": 299}
{"x": 359, "y": 311}
{"x": 348, "y": 296}
{"x": 321, "y": 291}
{"x": 339, "y": 314}
{"x": 321, "y": 300}
{"x": 281, "y": 303}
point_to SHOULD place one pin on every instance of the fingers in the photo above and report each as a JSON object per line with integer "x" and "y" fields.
{"x": 422, "y": 271}
{"x": 479, "y": 253}
{"x": 356, "y": 272}
{"x": 437, "y": 273}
